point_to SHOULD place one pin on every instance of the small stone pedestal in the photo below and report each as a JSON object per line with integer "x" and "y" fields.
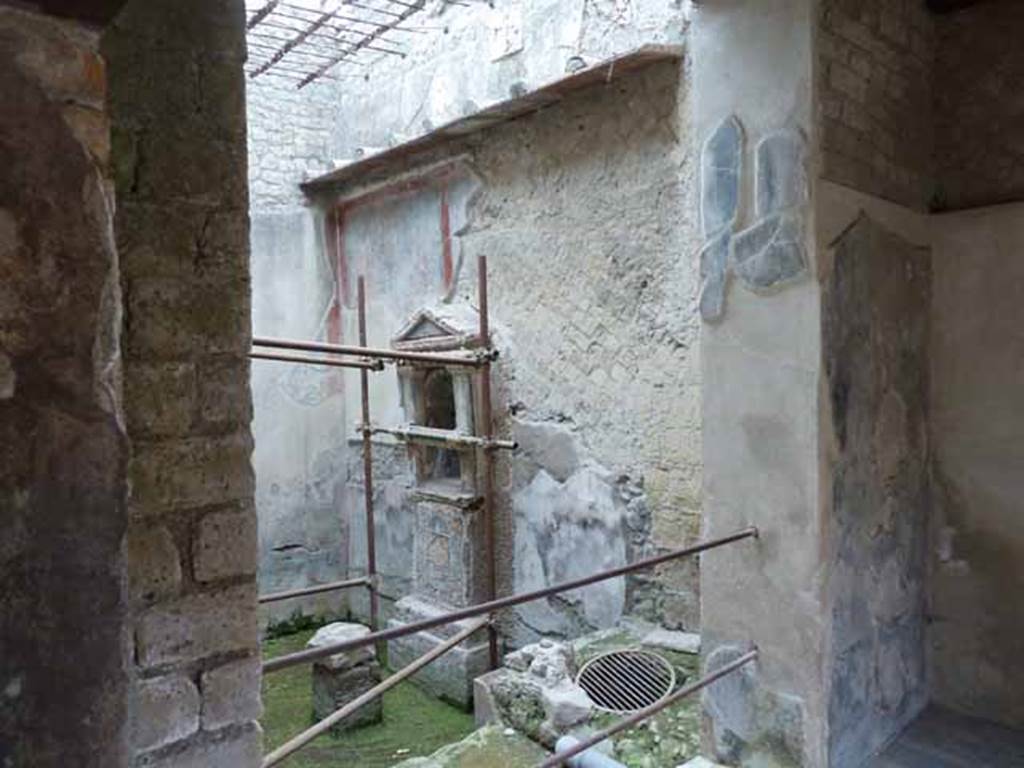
{"x": 340, "y": 678}
{"x": 450, "y": 677}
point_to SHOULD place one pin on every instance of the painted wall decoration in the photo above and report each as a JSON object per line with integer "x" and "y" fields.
{"x": 770, "y": 252}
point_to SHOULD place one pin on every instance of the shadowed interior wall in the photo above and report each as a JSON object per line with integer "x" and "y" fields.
{"x": 979, "y": 106}
{"x": 875, "y": 306}
{"x": 977, "y": 625}
{"x": 63, "y": 451}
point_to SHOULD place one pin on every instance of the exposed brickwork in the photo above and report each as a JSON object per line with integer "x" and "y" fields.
{"x": 980, "y": 106}
{"x": 874, "y": 79}
{"x": 179, "y": 140}
{"x": 289, "y": 138}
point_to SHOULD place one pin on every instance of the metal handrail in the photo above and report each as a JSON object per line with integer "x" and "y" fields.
{"x": 365, "y": 365}
{"x": 274, "y": 597}
{"x": 302, "y": 657}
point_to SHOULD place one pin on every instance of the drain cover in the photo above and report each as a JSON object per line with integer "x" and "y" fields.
{"x": 627, "y": 681}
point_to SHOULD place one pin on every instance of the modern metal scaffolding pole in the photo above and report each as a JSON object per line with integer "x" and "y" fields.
{"x": 371, "y": 532}
{"x": 487, "y": 427}
{"x": 509, "y": 601}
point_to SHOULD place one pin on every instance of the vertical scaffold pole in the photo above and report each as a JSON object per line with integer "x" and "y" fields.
{"x": 371, "y": 534}
{"x": 487, "y": 428}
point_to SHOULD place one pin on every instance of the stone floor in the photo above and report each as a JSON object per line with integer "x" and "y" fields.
{"x": 943, "y": 739}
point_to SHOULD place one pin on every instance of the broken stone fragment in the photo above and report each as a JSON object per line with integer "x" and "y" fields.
{"x": 781, "y": 177}
{"x": 714, "y": 272}
{"x": 770, "y": 252}
{"x": 669, "y": 640}
{"x": 340, "y": 632}
{"x": 565, "y": 705}
{"x": 721, "y": 165}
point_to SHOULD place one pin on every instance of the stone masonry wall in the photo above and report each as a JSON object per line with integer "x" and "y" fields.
{"x": 875, "y": 83}
{"x": 289, "y": 135}
{"x": 178, "y": 111}
{"x": 63, "y": 452}
{"x": 580, "y": 209}
{"x": 593, "y": 286}
{"x": 478, "y": 53}
{"x": 298, "y": 425}
{"x": 979, "y": 106}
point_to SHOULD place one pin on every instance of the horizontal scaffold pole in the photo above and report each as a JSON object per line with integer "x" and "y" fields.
{"x": 473, "y": 359}
{"x": 304, "y": 657}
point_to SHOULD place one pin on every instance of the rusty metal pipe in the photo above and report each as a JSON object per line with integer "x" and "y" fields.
{"x": 274, "y": 597}
{"x": 473, "y": 360}
{"x": 302, "y": 657}
{"x": 487, "y": 427}
{"x": 637, "y": 717}
{"x": 371, "y": 531}
{"x": 415, "y": 433}
{"x": 290, "y": 747}
{"x": 365, "y": 365}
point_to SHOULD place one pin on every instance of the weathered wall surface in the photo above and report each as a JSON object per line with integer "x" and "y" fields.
{"x": 977, "y": 429}
{"x": 875, "y": 308}
{"x": 178, "y": 115}
{"x": 299, "y": 411}
{"x": 476, "y": 55}
{"x": 63, "y": 451}
{"x": 583, "y": 217}
{"x": 979, "y": 107}
{"x": 760, "y": 377}
{"x": 874, "y": 63}
{"x": 581, "y": 212}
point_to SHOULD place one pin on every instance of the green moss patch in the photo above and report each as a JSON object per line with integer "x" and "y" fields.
{"x": 415, "y": 723}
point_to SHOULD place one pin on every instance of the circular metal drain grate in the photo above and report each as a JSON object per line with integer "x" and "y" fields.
{"x": 627, "y": 681}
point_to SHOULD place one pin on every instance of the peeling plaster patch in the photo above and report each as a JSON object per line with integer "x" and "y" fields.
{"x": 714, "y": 273}
{"x": 720, "y": 167}
{"x": 781, "y": 175}
{"x": 8, "y": 379}
{"x": 770, "y": 252}
{"x": 564, "y": 531}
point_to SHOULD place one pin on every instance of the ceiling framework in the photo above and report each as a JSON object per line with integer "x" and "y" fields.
{"x": 309, "y": 40}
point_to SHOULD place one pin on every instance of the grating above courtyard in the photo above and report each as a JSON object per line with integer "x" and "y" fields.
{"x": 309, "y": 40}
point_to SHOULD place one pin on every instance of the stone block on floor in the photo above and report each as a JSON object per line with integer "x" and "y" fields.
{"x": 342, "y": 677}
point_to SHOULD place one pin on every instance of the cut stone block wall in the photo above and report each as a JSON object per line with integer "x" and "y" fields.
{"x": 178, "y": 113}
{"x": 979, "y": 106}
{"x": 874, "y": 74}
{"x": 977, "y": 434}
{"x": 63, "y": 450}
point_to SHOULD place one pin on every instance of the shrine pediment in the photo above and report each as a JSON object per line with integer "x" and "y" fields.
{"x": 449, "y": 327}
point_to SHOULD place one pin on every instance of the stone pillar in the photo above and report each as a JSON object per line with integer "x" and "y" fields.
{"x": 63, "y": 452}
{"x": 814, "y": 348}
{"x": 178, "y": 110}
{"x": 761, "y": 359}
